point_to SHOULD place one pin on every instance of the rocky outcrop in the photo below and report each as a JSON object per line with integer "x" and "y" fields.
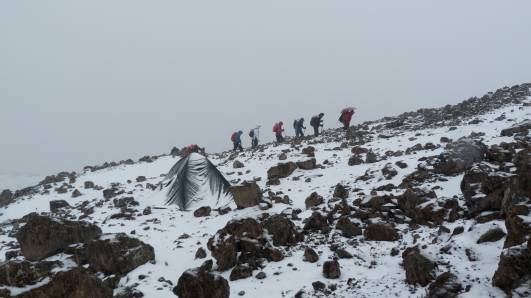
{"x": 118, "y": 254}
{"x": 340, "y": 191}
{"x": 283, "y": 230}
{"x": 514, "y": 268}
{"x": 202, "y": 211}
{"x": 419, "y": 269}
{"x": 75, "y": 283}
{"x": 43, "y": 236}
{"x": 6, "y": 198}
{"x": 17, "y": 273}
{"x": 246, "y": 195}
{"x": 200, "y": 283}
{"x": 483, "y": 188}
{"x": 460, "y": 156}
{"x": 521, "y": 128}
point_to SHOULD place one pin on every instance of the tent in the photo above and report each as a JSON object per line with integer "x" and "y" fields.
{"x": 194, "y": 180}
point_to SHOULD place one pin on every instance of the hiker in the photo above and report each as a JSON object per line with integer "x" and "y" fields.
{"x": 346, "y": 116}
{"x": 316, "y": 122}
{"x": 236, "y": 139}
{"x": 253, "y": 134}
{"x": 298, "y": 125}
{"x": 277, "y": 129}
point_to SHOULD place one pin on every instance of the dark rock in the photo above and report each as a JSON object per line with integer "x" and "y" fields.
{"x": 460, "y": 156}
{"x": 202, "y": 211}
{"x": 310, "y": 255}
{"x": 261, "y": 275}
{"x": 318, "y": 286}
{"x": 72, "y": 284}
{"x": 517, "y": 228}
{"x": 371, "y": 157}
{"x": 43, "y": 236}
{"x": 118, "y": 254}
{"x": 24, "y": 273}
{"x": 283, "y": 230}
{"x": 241, "y": 271}
{"x": 401, "y": 164}
{"x": 309, "y": 151}
{"x": 514, "y": 268}
{"x": 331, "y": 269}
{"x": 445, "y": 285}
{"x": 347, "y": 228}
{"x": 492, "y": 235}
{"x": 380, "y": 232}
{"x": 282, "y": 170}
{"x": 389, "y": 172}
{"x": 483, "y": 188}
{"x": 313, "y": 200}
{"x": 355, "y": 160}
{"x": 200, "y": 253}
{"x": 146, "y": 211}
{"x": 246, "y": 195}
{"x": 141, "y": 179}
{"x": 6, "y": 198}
{"x": 199, "y": 283}
{"x": 224, "y": 245}
{"x": 237, "y": 164}
{"x": 57, "y": 205}
{"x": 343, "y": 254}
{"x": 317, "y": 222}
{"x": 521, "y": 128}
{"x": 340, "y": 192}
{"x": 309, "y": 164}
{"x": 419, "y": 269}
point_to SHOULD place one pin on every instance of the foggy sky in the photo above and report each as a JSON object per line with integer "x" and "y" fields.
{"x": 82, "y": 82}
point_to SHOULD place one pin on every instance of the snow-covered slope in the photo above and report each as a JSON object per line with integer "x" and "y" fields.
{"x": 373, "y": 271}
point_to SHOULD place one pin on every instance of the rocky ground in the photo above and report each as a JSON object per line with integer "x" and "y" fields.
{"x": 432, "y": 203}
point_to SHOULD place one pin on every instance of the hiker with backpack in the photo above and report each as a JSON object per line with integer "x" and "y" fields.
{"x": 345, "y": 118}
{"x": 253, "y": 134}
{"x": 298, "y": 125}
{"x": 316, "y": 122}
{"x": 278, "y": 130}
{"x": 236, "y": 139}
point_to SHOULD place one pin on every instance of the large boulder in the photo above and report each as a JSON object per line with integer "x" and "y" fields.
{"x": 419, "y": 269}
{"x": 518, "y": 229}
{"x": 72, "y": 284}
{"x": 519, "y": 186}
{"x": 483, "y": 188}
{"x": 460, "y": 156}
{"x": 43, "y": 236}
{"x": 283, "y": 230}
{"x": 199, "y": 283}
{"x": 246, "y": 195}
{"x": 6, "y": 198}
{"x": 282, "y": 170}
{"x": 225, "y": 244}
{"x": 57, "y": 205}
{"x": 309, "y": 164}
{"x": 514, "y": 268}
{"x": 380, "y": 232}
{"x": 118, "y": 254}
{"x": 331, "y": 269}
{"x": 414, "y": 203}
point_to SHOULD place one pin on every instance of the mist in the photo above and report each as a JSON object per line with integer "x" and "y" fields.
{"x": 85, "y": 82}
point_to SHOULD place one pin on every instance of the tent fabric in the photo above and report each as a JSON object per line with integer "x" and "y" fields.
{"x": 194, "y": 179}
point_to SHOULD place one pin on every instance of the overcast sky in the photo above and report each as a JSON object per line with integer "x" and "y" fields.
{"x": 82, "y": 82}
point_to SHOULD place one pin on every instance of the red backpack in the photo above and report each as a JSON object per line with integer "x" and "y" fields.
{"x": 233, "y": 137}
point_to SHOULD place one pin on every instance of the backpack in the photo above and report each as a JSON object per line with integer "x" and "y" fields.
{"x": 251, "y": 133}
{"x": 314, "y": 121}
{"x": 233, "y": 137}
{"x": 295, "y": 124}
